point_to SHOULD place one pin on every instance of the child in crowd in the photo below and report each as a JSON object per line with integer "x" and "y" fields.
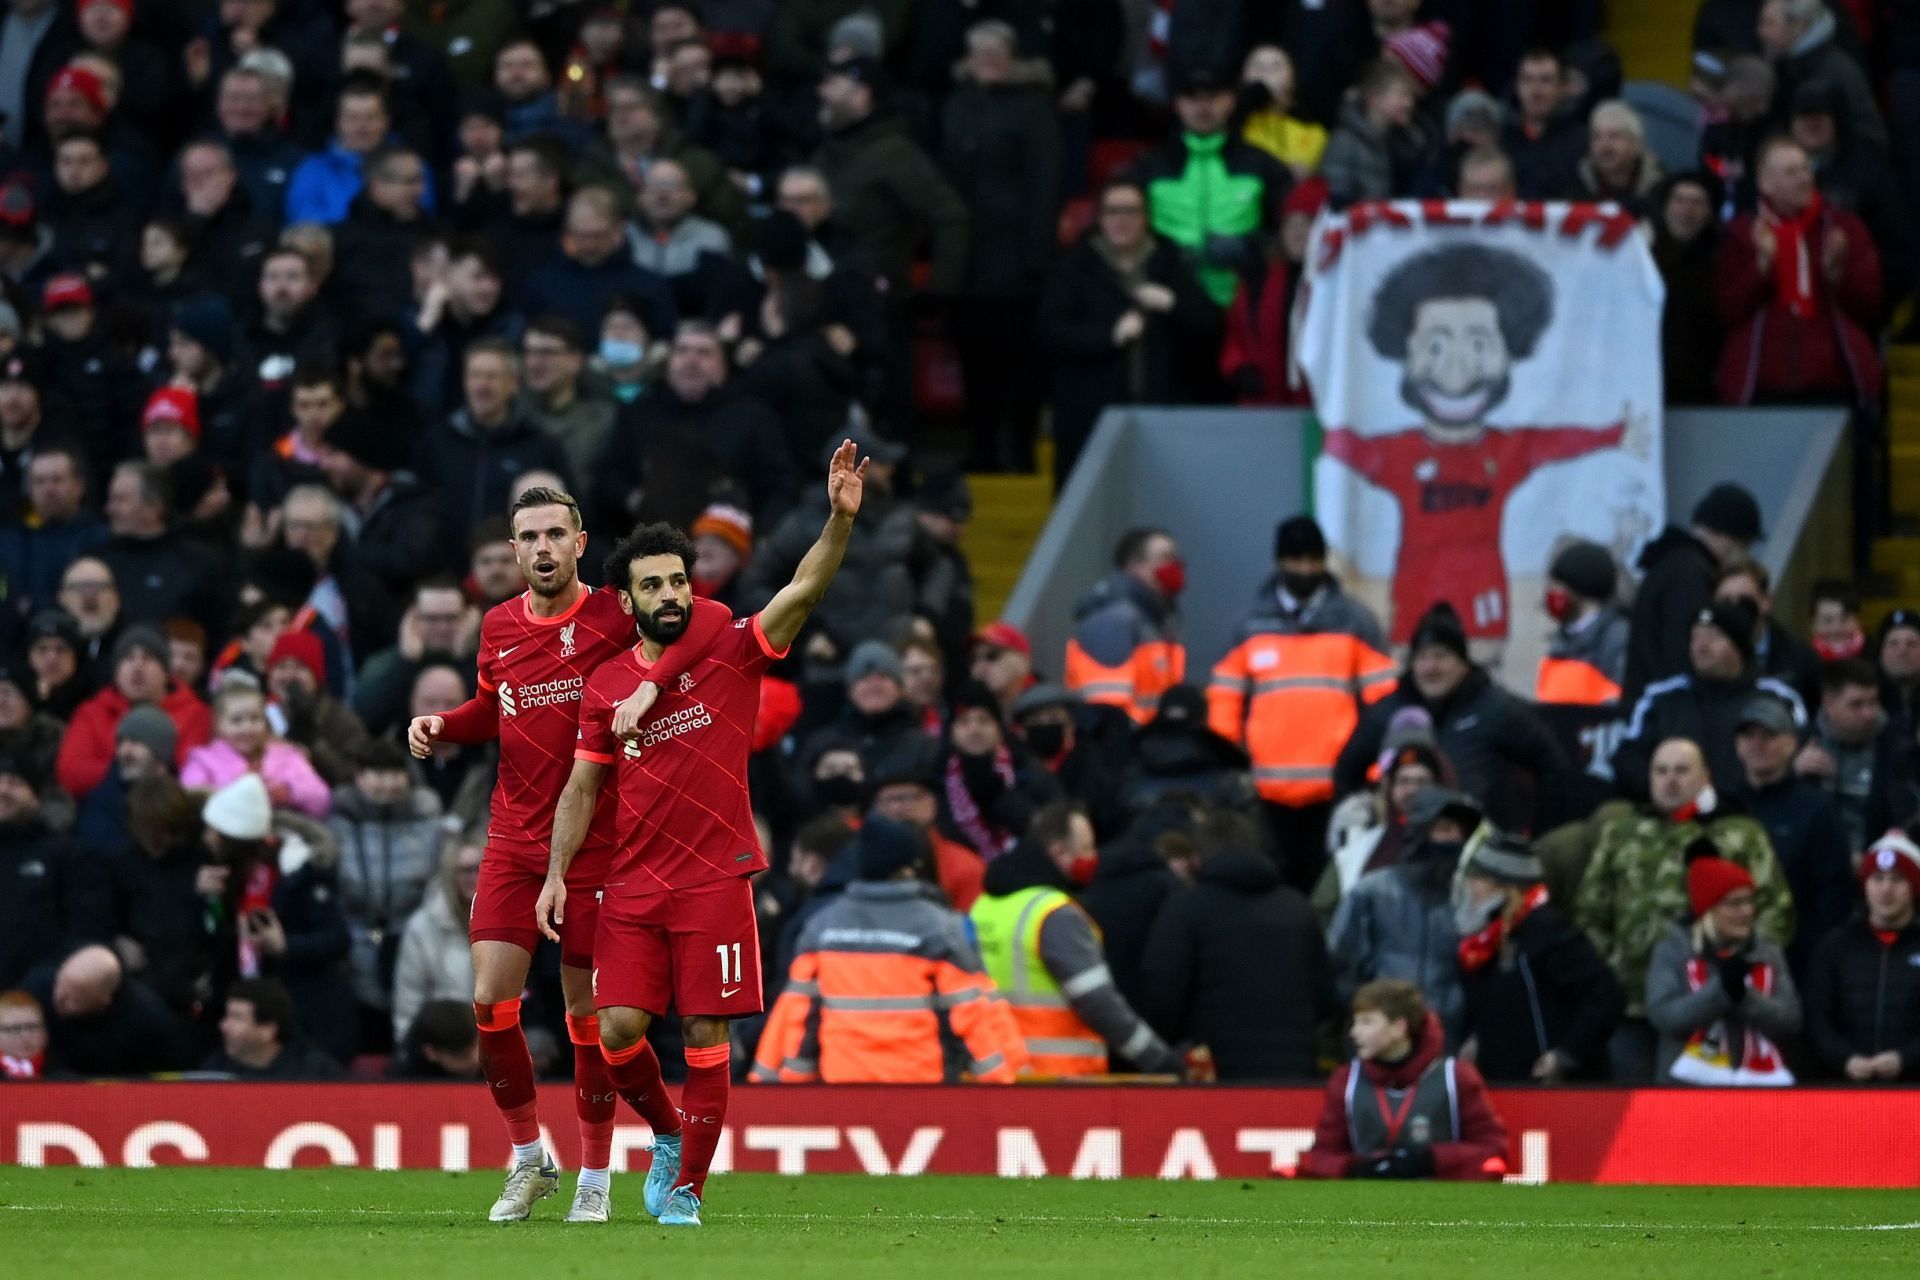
{"x": 244, "y": 743}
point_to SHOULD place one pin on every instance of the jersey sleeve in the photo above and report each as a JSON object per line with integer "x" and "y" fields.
{"x": 484, "y": 676}
{"x": 595, "y": 740}
{"x": 755, "y": 648}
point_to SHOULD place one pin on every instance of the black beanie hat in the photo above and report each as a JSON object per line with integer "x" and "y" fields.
{"x": 1299, "y": 536}
{"x": 1735, "y": 619}
{"x": 1730, "y": 509}
{"x": 1588, "y": 570}
{"x": 974, "y": 694}
{"x": 1440, "y": 625}
{"x": 884, "y": 846}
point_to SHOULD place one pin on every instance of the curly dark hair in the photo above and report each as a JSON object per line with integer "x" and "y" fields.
{"x": 660, "y": 539}
{"x": 1521, "y": 293}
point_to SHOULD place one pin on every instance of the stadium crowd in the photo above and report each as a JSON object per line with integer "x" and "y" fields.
{"x": 299, "y": 295}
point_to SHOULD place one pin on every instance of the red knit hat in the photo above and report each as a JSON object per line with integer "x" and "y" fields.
{"x": 1894, "y": 851}
{"x": 173, "y": 404}
{"x": 1423, "y": 51}
{"x": 83, "y": 82}
{"x": 304, "y": 648}
{"x": 1710, "y": 880}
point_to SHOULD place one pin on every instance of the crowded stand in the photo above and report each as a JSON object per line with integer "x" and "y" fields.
{"x": 303, "y": 297}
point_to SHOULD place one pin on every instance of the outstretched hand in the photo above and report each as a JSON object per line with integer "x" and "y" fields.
{"x": 846, "y": 480}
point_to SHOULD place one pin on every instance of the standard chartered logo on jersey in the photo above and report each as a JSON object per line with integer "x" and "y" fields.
{"x": 528, "y": 696}
{"x": 685, "y": 720}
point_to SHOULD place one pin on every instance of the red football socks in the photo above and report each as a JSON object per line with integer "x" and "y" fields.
{"x": 508, "y": 1068}
{"x": 635, "y": 1072}
{"x": 593, "y": 1093}
{"x": 703, "y": 1108}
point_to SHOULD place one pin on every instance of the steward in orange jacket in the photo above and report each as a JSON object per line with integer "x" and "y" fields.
{"x": 1586, "y": 657}
{"x": 1125, "y": 649}
{"x": 886, "y": 987}
{"x": 1309, "y": 659}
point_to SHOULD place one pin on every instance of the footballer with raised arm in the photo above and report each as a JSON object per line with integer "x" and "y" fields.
{"x": 536, "y": 652}
{"x": 676, "y": 921}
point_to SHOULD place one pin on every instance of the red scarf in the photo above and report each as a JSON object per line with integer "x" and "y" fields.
{"x": 12, "y": 1068}
{"x": 1758, "y": 1062}
{"x": 1483, "y": 946}
{"x": 1796, "y": 267}
{"x": 987, "y": 840}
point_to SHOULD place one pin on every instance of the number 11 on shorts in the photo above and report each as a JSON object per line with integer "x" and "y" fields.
{"x": 729, "y": 954}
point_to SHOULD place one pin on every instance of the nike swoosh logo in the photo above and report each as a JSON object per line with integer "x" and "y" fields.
{"x": 505, "y": 652}
{"x": 729, "y": 993}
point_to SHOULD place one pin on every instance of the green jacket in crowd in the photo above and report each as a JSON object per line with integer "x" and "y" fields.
{"x": 1218, "y": 198}
{"x": 1635, "y": 888}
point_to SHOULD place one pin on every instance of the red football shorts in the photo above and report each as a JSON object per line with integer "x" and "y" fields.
{"x": 509, "y": 890}
{"x": 697, "y": 949}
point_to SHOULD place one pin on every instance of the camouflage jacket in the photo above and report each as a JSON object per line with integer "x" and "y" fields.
{"x": 1636, "y": 887}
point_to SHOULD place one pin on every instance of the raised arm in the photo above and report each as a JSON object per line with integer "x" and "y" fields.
{"x": 789, "y": 609}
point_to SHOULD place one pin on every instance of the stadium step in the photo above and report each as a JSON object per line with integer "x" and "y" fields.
{"x": 1009, "y": 511}
{"x": 1654, "y": 38}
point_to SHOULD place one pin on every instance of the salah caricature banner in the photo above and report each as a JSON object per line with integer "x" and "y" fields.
{"x": 1487, "y": 377}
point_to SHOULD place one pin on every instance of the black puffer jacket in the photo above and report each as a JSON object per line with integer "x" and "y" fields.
{"x": 1492, "y": 739}
{"x": 1863, "y": 996}
{"x": 1677, "y": 585}
{"x": 1238, "y": 964}
{"x": 1550, "y": 991}
{"x": 1130, "y": 886}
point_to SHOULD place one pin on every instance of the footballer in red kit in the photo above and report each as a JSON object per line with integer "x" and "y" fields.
{"x": 536, "y": 652}
{"x": 676, "y": 924}
{"x": 681, "y": 866}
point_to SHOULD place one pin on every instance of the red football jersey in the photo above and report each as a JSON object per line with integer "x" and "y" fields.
{"x": 538, "y": 667}
{"x": 1452, "y": 498}
{"x": 683, "y": 817}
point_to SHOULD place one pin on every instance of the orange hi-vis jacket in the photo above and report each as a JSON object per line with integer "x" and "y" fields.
{"x": 886, "y": 988}
{"x": 1291, "y": 691}
{"x": 1585, "y": 664}
{"x": 1124, "y": 651}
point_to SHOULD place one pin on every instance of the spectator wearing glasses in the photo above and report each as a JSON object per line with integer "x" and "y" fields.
{"x": 23, "y": 1037}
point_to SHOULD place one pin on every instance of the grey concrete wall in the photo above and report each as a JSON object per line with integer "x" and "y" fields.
{"x": 1220, "y": 479}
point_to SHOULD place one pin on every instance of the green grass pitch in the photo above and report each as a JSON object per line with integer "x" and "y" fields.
{"x": 354, "y": 1224}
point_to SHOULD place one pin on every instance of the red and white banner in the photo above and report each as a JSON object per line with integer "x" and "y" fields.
{"x": 1488, "y": 376}
{"x": 1810, "y": 1137}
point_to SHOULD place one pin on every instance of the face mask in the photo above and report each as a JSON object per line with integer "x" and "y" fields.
{"x": 1047, "y": 740}
{"x": 1081, "y": 869}
{"x": 839, "y": 792}
{"x": 1302, "y": 586}
{"x": 1840, "y": 650}
{"x": 1446, "y": 851}
{"x": 1171, "y": 578}
{"x": 1559, "y": 604}
{"x": 1470, "y": 917}
{"x": 620, "y": 354}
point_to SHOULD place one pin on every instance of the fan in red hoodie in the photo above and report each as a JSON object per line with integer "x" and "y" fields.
{"x": 1401, "y": 1108}
{"x": 139, "y": 676}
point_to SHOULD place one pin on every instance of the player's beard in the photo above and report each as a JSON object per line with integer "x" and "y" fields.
{"x": 664, "y": 632}
{"x": 562, "y": 580}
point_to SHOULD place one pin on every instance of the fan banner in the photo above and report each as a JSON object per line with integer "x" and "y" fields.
{"x": 1779, "y": 1137}
{"x": 1487, "y": 377}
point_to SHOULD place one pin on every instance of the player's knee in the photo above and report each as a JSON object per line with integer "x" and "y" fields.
{"x": 704, "y": 1033}
{"x": 621, "y": 1029}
